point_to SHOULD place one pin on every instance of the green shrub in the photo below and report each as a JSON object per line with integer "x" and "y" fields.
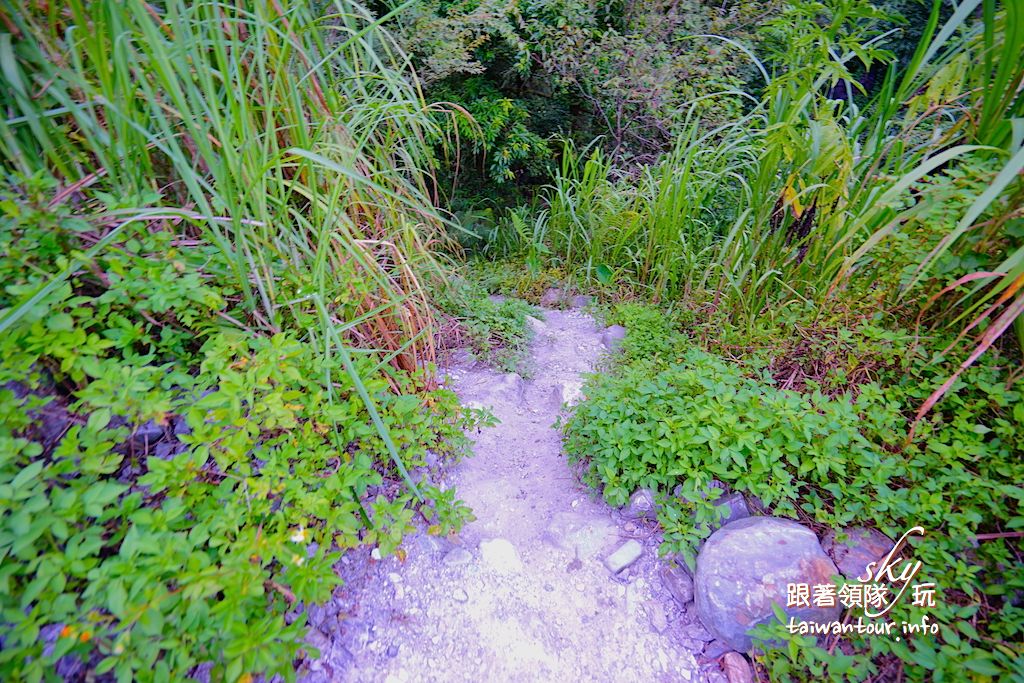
{"x": 676, "y": 425}
{"x": 158, "y": 564}
{"x": 496, "y": 328}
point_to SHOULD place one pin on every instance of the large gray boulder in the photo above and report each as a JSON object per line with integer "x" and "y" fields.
{"x": 746, "y": 565}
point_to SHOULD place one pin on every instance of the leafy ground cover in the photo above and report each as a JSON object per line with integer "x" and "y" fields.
{"x": 494, "y": 326}
{"x": 674, "y": 417}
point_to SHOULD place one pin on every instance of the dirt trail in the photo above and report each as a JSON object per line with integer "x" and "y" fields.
{"x": 525, "y": 595}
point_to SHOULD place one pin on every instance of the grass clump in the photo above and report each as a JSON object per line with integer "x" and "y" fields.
{"x": 495, "y": 326}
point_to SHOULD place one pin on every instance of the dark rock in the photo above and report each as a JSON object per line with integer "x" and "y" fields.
{"x": 47, "y": 411}
{"x": 859, "y": 547}
{"x": 168, "y": 450}
{"x": 392, "y": 651}
{"x": 745, "y": 567}
{"x": 703, "y": 495}
{"x": 582, "y": 300}
{"x": 732, "y": 506}
{"x": 180, "y": 426}
{"x": 678, "y": 583}
{"x": 147, "y": 434}
{"x": 640, "y": 505}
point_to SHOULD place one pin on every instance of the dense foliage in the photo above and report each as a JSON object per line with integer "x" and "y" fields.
{"x": 624, "y": 73}
{"x": 675, "y": 418}
{"x": 216, "y": 343}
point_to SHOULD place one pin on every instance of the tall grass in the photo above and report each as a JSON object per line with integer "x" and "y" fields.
{"x": 805, "y": 191}
{"x": 294, "y": 141}
{"x": 656, "y": 227}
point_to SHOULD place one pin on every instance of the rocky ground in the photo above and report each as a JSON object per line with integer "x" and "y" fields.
{"x": 548, "y": 583}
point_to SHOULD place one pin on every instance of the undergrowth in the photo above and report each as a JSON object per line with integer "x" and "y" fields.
{"x": 674, "y": 417}
{"x": 494, "y": 325}
{"x": 217, "y": 350}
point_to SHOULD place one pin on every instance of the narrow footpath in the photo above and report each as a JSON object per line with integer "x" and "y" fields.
{"x": 525, "y": 593}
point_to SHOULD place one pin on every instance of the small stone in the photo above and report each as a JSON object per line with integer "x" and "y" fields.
{"x": 715, "y": 649}
{"x": 628, "y": 553}
{"x": 859, "y": 547}
{"x": 582, "y": 300}
{"x": 460, "y": 595}
{"x": 458, "y": 556}
{"x": 497, "y": 298}
{"x": 551, "y": 297}
{"x": 656, "y": 614}
{"x": 556, "y": 398}
{"x": 696, "y": 631}
{"x": 392, "y": 651}
{"x": 678, "y": 583}
{"x": 375, "y": 554}
{"x": 429, "y": 544}
{"x": 500, "y": 555}
{"x": 510, "y": 386}
{"x": 394, "y": 578}
{"x": 611, "y": 337}
{"x": 714, "y": 676}
{"x": 737, "y": 668}
{"x": 536, "y": 324}
{"x": 640, "y": 505}
{"x": 581, "y": 535}
{"x": 317, "y": 639}
{"x": 572, "y": 392}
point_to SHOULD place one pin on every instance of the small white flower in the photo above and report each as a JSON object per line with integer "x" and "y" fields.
{"x": 299, "y": 536}
{"x": 298, "y": 560}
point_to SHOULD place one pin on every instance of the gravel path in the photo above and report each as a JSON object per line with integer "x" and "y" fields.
{"x": 524, "y": 593}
